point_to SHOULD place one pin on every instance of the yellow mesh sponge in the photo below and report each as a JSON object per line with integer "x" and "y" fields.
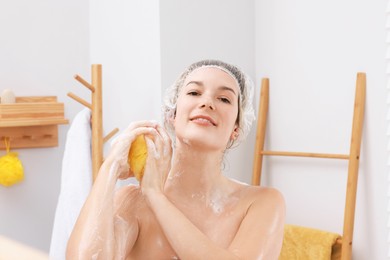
{"x": 137, "y": 157}
{"x": 11, "y": 169}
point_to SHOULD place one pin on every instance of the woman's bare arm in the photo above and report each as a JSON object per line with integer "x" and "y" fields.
{"x": 93, "y": 233}
{"x": 99, "y": 230}
{"x": 260, "y": 234}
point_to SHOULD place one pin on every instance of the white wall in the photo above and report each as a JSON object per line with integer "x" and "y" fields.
{"x": 42, "y": 45}
{"x": 220, "y": 29}
{"x": 125, "y": 38}
{"x": 311, "y": 51}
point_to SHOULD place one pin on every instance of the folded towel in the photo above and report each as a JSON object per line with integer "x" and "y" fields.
{"x": 301, "y": 243}
{"x": 76, "y": 182}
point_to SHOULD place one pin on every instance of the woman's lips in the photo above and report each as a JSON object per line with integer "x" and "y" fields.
{"x": 203, "y": 120}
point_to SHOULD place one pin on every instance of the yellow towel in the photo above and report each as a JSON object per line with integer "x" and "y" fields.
{"x": 301, "y": 243}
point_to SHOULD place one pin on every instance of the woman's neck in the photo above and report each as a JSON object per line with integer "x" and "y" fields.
{"x": 195, "y": 170}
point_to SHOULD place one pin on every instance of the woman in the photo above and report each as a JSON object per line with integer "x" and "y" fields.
{"x": 184, "y": 207}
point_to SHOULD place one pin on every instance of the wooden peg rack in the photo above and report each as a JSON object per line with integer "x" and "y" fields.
{"x": 31, "y": 122}
{"x": 96, "y": 107}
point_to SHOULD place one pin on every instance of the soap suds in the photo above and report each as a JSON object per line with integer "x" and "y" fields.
{"x": 198, "y": 196}
{"x": 173, "y": 176}
{"x": 152, "y": 148}
{"x": 217, "y": 202}
{"x": 125, "y": 230}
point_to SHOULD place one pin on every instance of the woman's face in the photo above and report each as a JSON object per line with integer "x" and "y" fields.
{"x": 207, "y": 109}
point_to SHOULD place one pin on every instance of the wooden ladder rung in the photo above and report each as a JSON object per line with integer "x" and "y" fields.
{"x": 301, "y": 154}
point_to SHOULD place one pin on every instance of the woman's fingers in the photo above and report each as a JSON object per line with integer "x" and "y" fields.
{"x": 167, "y": 150}
{"x": 134, "y": 130}
{"x": 162, "y": 141}
{"x": 152, "y": 149}
{"x": 145, "y": 123}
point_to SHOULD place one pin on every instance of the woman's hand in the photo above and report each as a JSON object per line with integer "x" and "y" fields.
{"x": 158, "y": 162}
{"x": 120, "y": 146}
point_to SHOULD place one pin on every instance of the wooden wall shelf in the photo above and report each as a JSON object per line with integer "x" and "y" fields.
{"x": 31, "y": 122}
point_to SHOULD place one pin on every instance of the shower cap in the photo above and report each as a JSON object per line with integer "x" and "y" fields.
{"x": 245, "y": 107}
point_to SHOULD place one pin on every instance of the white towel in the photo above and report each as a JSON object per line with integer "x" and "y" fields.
{"x": 76, "y": 182}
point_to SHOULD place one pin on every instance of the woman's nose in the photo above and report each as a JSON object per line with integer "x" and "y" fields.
{"x": 208, "y": 103}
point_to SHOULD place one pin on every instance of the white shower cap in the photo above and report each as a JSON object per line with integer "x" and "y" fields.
{"x": 245, "y": 106}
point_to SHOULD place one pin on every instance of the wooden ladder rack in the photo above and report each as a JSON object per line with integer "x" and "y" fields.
{"x": 353, "y": 156}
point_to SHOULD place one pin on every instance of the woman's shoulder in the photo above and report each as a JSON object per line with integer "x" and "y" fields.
{"x": 267, "y": 199}
{"x": 269, "y": 192}
{"x": 260, "y": 194}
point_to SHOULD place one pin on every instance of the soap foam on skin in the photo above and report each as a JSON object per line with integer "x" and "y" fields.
{"x": 95, "y": 256}
{"x": 125, "y": 229}
{"x": 217, "y": 202}
{"x": 103, "y": 213}
{"x": 153, "y": 149}
{"x": 198, "y": 195}
{"x": 174, "y": 176}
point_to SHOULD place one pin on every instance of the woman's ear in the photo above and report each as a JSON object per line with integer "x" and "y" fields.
{"x": 234, "y": 134}
{"x": 172, "y": 119}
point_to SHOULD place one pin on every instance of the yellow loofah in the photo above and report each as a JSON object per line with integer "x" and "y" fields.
{"x": 11, "y": 169}
{"x": 137, "y": 157}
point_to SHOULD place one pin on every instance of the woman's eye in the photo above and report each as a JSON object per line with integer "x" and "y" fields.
{"x": 193, "y": 93}
{"x": 225, "y": 100}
